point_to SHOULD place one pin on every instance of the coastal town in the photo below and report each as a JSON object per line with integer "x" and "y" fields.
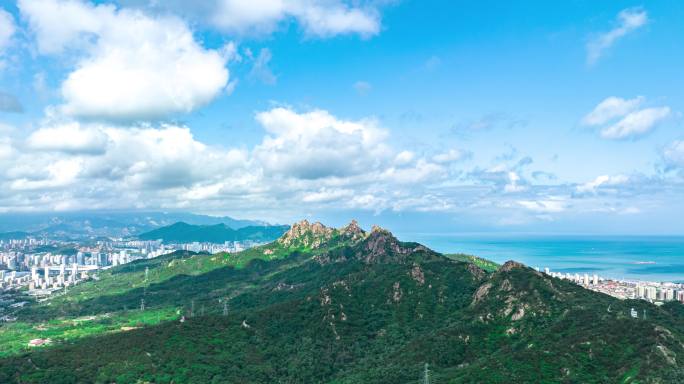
{"x": 39, "y": 267}
{"x": 651, "y": 291}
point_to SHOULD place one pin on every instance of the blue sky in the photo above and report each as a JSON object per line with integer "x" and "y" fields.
{"x": 430, "y": 116}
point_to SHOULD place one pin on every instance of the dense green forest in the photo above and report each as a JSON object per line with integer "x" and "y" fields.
{"x": 323, "y": 305}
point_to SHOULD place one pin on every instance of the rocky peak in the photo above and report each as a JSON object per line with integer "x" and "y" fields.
{"x": 353, "y": 231}
{"x": 510, "y": 265}
{"x": 382, "y": 246}
{"x": 306, "y": 234}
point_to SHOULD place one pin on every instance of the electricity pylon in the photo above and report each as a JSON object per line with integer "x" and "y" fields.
{"x": 426, "y": 374}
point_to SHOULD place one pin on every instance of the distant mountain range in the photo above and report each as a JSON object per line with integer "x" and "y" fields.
{"x": 186, "y": 233}
{"x": 107, "y": 224}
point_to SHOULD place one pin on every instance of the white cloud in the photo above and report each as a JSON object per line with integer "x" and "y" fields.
{"x": 629, "y": 20}
{"x": 610, "y": 108}
{"x": 7, "y": 29}
{"x": 636, "y": 123}
{"x": 316, "y": 144}
{"x": 306, "y": 160}
{"x": 317, "y": 18}
{"x": 404, "y": 157}
{"x": 514, "y": 183}
{"x": 62, "y": 173}
{"x": 624, "y": 118}
{"x": 69, "y": 138}
{"x": 131, "y": 66}
{"x": 122, "y": 160}
{"x": 601, "y": 181}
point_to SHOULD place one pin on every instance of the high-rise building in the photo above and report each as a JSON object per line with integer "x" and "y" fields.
{"x": 640, "y": 291}
{"x": 669, "y": 294}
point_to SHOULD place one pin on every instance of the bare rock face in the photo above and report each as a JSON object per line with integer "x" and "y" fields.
{"x": 306, "y": 234}
{"x": 510, "y": 265}
{"x": 353, "y": 232}
{"x": 417, "y": 274}
{"x": 476, "y": 271}
{"x": 481, "y": 293}
{"x": 381, "y": 246}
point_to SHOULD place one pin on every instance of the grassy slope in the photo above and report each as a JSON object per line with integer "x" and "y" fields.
{"x": 117, "y": 294}
{"x": 485, "y": 264}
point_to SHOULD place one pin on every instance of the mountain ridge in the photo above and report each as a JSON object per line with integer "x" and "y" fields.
{"x": 182, "y": 232}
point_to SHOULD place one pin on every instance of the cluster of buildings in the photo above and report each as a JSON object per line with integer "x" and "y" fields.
{"x": 44, "y": 265}
{"x": 226, "y": 247}
{"x": 654, "y": 292}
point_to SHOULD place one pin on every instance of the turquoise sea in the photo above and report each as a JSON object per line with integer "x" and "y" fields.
{"x": 653, "y": 258}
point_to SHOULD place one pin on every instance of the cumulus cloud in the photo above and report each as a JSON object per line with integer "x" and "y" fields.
{"x": 306, "y": 160}
{"x": 90, "y": 166}
{"x": 625, "y": 118}
{"x": 131, "y": 66}
{"x": 69, "y": 138}
{"x": 628, "y": 20}
{"x": 316, "y": 144}
{"x": 317, "y": 18}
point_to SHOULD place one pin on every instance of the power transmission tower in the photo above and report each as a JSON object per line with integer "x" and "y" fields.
{"x": 147, "y": 272}
{"x": 426, "y": 374}
{"x": 192, "y": 308}
{"x": 142, "y": 304}
{"x": 225, "y": 308}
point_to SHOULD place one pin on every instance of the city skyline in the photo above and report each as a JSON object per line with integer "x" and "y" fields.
{"x": 468, "y": 116}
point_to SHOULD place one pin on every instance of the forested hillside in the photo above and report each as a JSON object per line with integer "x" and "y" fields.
{"x": 324, "y": 305}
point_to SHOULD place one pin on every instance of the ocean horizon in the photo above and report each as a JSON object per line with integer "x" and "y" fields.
{"x": 649, "y": 258}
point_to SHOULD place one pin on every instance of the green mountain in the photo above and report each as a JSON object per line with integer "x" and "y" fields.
{"x": 325, "y": 305}
{"x": 186, "y": 233}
